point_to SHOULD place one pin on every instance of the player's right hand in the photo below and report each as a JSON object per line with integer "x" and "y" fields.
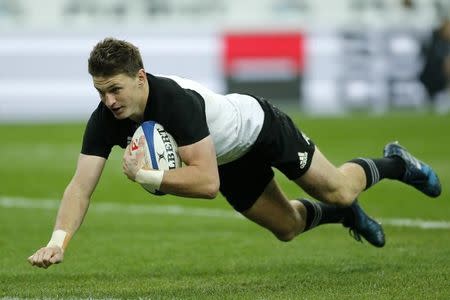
{"x": 47, "y": 256}
{"x": 133, "y": 158}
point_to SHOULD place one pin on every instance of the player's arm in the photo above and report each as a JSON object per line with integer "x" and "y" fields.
{"x": 72, "y": 210}
{"x": 198, "y": 178}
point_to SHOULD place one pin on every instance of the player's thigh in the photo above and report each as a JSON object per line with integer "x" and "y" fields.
{"x": 322, "y": 178}
{"x": 272, "y": 210}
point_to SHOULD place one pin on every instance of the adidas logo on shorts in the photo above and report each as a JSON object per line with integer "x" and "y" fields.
{"x": 303, "y": 158}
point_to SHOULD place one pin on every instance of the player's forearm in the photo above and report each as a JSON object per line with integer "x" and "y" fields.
{"x": 71, "y": 212}
{"x": 190, "y": 181}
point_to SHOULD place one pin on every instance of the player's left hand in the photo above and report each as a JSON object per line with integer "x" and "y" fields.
{"x": 133, "y": 159}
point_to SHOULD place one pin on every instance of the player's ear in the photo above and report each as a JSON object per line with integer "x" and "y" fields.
{"x": 142, "y": 77}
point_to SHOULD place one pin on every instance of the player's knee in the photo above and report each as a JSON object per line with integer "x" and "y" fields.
{"x": 340, "y": 197}
{"x": 286, "y": 237}
{"x": 290, "y": 229}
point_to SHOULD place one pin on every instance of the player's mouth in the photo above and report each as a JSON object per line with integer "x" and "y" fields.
{"x": 117, "y": 110}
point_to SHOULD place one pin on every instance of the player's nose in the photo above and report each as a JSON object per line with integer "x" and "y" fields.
{"x": 110, "y": 100}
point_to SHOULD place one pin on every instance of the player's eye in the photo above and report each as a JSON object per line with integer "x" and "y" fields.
{"x": 115, "y": 90}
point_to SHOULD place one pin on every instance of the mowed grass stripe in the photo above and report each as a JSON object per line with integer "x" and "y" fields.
{"x": 137, "y": 209}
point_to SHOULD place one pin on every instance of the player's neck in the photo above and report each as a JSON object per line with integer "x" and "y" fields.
{"x": 142, "y": 103}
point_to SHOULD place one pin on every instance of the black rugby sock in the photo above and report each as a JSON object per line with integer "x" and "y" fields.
{"x": 379, "y": 168}
{"x": 318, "y": 213}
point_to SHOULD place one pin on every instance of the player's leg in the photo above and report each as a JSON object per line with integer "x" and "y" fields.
{"x": 294, "y": 154}
{"x": 329, "y": 184}
{"x": 273, "y": 211}
{"x": 248, "y": 185}
{"x": 341, "y": 185}
{"x": 337, "y": 188}
{"x": 299, "y": 159}
{"x": 287, "y": 219}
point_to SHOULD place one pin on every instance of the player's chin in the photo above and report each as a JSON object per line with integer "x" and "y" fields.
{"x": 119, "y": 117}
{"x": 120, "y": 114}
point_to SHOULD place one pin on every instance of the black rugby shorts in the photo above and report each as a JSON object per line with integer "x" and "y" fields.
{"x": 280, "y": 144}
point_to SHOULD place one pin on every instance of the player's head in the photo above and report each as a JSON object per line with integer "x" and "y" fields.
{"x": 112, "y": 57}
{"x": 119, "y": 77}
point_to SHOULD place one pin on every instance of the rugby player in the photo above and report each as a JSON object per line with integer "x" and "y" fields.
{"x": 229, "y": 144}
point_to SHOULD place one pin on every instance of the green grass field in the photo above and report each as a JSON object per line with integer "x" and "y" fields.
{"x": 134, "y": 245}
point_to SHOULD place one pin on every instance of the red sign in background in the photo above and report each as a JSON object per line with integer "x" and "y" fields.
{"x": 264, "y": 46}
{"x": 264, "y": 64}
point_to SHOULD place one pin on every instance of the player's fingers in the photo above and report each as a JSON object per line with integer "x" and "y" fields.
{"x": 37, "y": 259}
{"x": 47, "y": 264}
{"x": 127, "y": 151}
{"x": 48, "y": 253}
{"x": 42, "y": 262}
{"x": 57, "y": 258}
{"x": 126, "y": 164}
{"x": 41, "y": 259}
{"x": 125, "y": 168}
{"x": 31, "y": 259}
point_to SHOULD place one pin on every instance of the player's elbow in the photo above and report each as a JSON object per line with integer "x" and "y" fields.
{"x": 212, "y": 188}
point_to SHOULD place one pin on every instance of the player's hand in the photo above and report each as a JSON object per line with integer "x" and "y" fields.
{"x": 47, "y": 256}
{"x": 133, "y": 159}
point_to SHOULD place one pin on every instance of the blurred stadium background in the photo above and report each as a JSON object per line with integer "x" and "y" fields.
{"x": 323, "y": 57}
{"x": 348, "y": 71}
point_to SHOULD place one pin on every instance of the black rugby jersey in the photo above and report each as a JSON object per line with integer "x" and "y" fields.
{"x": 180, "y": 111}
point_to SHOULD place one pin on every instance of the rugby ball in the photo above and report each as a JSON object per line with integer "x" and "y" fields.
{"x": 159, "y": 147}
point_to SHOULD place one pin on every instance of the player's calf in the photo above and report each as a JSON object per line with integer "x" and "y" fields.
{"x": 352, "y": 217}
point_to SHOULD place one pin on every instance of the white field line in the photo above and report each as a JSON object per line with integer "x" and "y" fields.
{"x": 136, "y": 209}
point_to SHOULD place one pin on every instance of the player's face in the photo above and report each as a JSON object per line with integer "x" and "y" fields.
{"x": 121, "y": 93}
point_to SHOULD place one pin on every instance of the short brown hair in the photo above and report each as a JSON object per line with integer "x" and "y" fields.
{"x": 112, "y": 57}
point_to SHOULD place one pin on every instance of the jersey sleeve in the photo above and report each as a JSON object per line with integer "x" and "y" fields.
{"x": 188, "y": 118}
{"x": 94, "y": 139}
